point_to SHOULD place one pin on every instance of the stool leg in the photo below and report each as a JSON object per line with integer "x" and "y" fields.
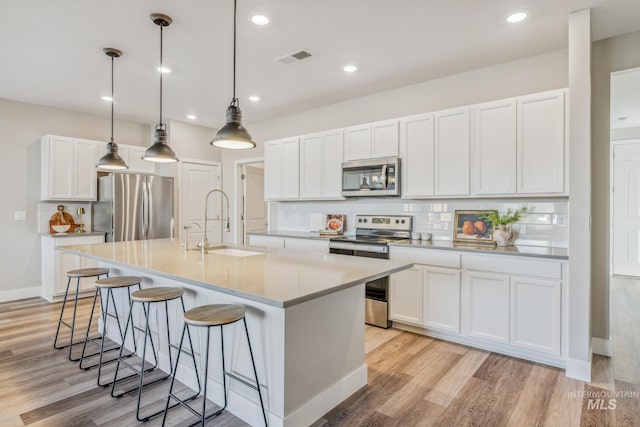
{"x": 73, "y": 321}
{"x": 255, "y": 372}
{"x": 93, "y": 308}
{"x": 64, "y": 303}
{"x": 144, "y": 352}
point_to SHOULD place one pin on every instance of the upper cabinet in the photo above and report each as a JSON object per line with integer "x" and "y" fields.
{"x": 321, "y": 165}
{"x": 281, "y": 163}
{"x": 417, "y": 151}
{"x": 372, "y": 140}
{"x": 493, "y": 151}
{"x": 68, "y": 168}
{"x": 452, "y": 145}
{"x": 541, "y": 143}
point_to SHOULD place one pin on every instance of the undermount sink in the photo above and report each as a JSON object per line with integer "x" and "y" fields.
{"x": 225, "y": 250}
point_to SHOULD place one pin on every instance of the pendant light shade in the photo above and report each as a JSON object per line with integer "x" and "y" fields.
{"x": 160, "y": 151}
{"x": 233, "y": 135}
{"x": 111, "y": 160}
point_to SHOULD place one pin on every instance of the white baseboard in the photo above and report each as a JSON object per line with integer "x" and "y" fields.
{"x": 20, "y": 293}
{"x": 601, "y": 346}
{"x": 579, "y": 370}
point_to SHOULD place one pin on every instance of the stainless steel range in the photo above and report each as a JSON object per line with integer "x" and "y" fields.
{"x": 373, "y": 234}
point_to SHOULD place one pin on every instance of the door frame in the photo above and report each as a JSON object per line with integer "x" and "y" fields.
{"x": 613, "y": 144}
{"x": 178, "y": 179}
{"x": 237, "y": 191}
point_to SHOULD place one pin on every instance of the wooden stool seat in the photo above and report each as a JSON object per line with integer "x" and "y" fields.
{"x": 158, "y": 294}
{"x": 87, "y": 272}
{"x": 214, "y": 314}
{"x": 118, "y": 282}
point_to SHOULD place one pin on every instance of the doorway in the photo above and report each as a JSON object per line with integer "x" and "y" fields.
{"x": 196, "y": 179}
{"x": 252, "y": 212}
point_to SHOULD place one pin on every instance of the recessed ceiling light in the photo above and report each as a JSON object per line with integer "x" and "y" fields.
{"x": 163, "y": 70}
{"x": 191, "y": 116}
{"x": 254, "y": 98}
{"x": 260, "y": 19}
{"x": 107, "y": 98}
{"x": 517, "y": 17}
{"x": 350, "y": 68}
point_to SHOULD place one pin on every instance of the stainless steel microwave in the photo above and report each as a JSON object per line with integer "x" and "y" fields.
{"x": 375, "y": 177}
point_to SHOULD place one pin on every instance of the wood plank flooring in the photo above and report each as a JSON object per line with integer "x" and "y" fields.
{"x": 413, "y": 381}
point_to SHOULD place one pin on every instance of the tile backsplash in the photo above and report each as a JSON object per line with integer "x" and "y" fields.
{"x": 545, "y": 225}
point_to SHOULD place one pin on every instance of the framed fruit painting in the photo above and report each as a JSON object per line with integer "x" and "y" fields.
{"x": 471, "y": 227}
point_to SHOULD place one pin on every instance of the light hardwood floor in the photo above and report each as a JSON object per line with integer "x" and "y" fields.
{"x": 413, "y": 381}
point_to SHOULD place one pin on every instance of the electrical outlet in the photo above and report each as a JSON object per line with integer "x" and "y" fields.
{"x": 20, "y": 215}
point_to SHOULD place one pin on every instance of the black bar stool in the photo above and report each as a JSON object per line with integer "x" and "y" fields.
{"x": 147, "y": 297}
{"x": 107, "y": 285}
{"x": 77, "y": 274}
{"x": 209, "y": 316}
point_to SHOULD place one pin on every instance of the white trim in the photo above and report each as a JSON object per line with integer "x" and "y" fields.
{"x": 579, "y": 370}
{"x": 236, "y": 189}
{"x": 601, "y": 346}
{"x": 20, "y": 293}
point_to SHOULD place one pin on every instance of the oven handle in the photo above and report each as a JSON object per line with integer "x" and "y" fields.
{"x": 359, "y": 247}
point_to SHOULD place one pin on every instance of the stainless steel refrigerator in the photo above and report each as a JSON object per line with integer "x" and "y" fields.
{"x": 134, "y": 207}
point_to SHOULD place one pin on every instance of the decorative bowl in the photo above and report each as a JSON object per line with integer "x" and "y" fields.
{"x": 61, "y": 228}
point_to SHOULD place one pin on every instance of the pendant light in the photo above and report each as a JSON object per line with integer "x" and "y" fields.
{"x": 160, "y": 151}
{"x": 233, "y": 135}
{"x": 111, "y": 160}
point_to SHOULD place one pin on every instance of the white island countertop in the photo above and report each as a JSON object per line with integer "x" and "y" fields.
{"x": 275, "y": 277}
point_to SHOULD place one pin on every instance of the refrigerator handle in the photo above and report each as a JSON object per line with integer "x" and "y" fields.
{"x": 149, "y": 204}
{"x": 145, "y": 207}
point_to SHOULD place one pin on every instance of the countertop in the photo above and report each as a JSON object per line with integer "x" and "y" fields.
{"x": 276, "y": 277}
{"x": 527, "y": 251}
{"x": 88, "y": 233}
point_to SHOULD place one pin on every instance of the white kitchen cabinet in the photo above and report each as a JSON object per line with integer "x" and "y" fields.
{"x": 441, "y": 299}
{"x": 282, "y": 160}
{"x": 485, "y": 306}
{"x": 56, "y": 264}
{"x": 535, "y": 314}
{"x": 372, "y": 140}
{"x": 406, "y": 296}
{"x": 452, "y": 145}
{"x": 321, "y": 166}
{"x": 307, "y": 245}
{"x": 541, "y": 143}
{"x": 136, "y": 164}
{"x": 266, "y": 241}
{"x": 417, "y": 154}
{"x": 493, "y": 151}
{"x": 68, "y": 169}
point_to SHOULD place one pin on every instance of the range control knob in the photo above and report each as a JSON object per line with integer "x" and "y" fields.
{"x": 359, "y": 219}
{"x": 397, "y": 221}
{"x": 365, "y": 220}
{"x": 403, "y": 221}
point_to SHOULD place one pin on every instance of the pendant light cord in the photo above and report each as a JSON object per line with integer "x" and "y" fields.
{"x": 161, "y": 72}
{"x": 112, "y": 100}
{"x": 235, "y": 12}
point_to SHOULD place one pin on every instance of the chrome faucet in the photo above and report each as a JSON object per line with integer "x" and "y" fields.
{"x": 204, "y": 244}
{"x": 185, "y": 233}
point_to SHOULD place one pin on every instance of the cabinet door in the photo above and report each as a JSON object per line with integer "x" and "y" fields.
{"x": 88, "y": 283}
{"x": 357, "y": 143}
{"x": 64, "y": 263}
{"x": 405, "y": 296}
{"x": 311, "y": 166}
{"x": 384, "y": 139}
{"x": 541, "y": 139}
{"x": 136, "y": 164}
{"x": 485, "y": 306}
{"x": 332, "y": 152}
{"x": 290, "y": 177}
{"x": 58, "y": 153}
{"x": 442, "y": 299}
{"x": 535, "y": 314}
{"x": 494, "y": 148}
{"x": 416, "y": 144}
{"x": 272, "y": 170}
{"x": 452, "y": 152}
{"x": 85, "y": 176}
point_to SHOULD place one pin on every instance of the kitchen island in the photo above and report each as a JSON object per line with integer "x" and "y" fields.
{"x": 305, "y": 313}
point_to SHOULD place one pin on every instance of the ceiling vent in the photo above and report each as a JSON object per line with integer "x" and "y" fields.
{"x": 294, "y": 57}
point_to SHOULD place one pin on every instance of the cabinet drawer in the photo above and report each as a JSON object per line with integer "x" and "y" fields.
{"x": 513, "y": 265}
{"x": 426, "y": 256}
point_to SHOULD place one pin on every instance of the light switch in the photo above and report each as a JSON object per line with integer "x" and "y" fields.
{"x": 20, "y": 215}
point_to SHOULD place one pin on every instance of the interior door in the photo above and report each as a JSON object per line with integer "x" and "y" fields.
{"x": 196, "y": 181}
{"x": 255, "y": 208}
{"x": 626, "y": 209}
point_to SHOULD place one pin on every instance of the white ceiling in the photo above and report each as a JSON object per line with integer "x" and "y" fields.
{"x": 52, "y": 49}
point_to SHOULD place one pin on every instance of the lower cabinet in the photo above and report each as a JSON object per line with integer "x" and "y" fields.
{"x": 300, "y": 244}
{"x": 441, "y": 299}
{"x": 485, "y": 306}
{"x": 55, "y": 265}
{"x": 405, "y": 296}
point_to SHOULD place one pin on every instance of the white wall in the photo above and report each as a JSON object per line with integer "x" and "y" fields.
{"x": 528, "y": 75}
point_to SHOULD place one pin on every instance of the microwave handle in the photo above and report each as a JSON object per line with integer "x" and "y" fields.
{"x": 384, "y": 176}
